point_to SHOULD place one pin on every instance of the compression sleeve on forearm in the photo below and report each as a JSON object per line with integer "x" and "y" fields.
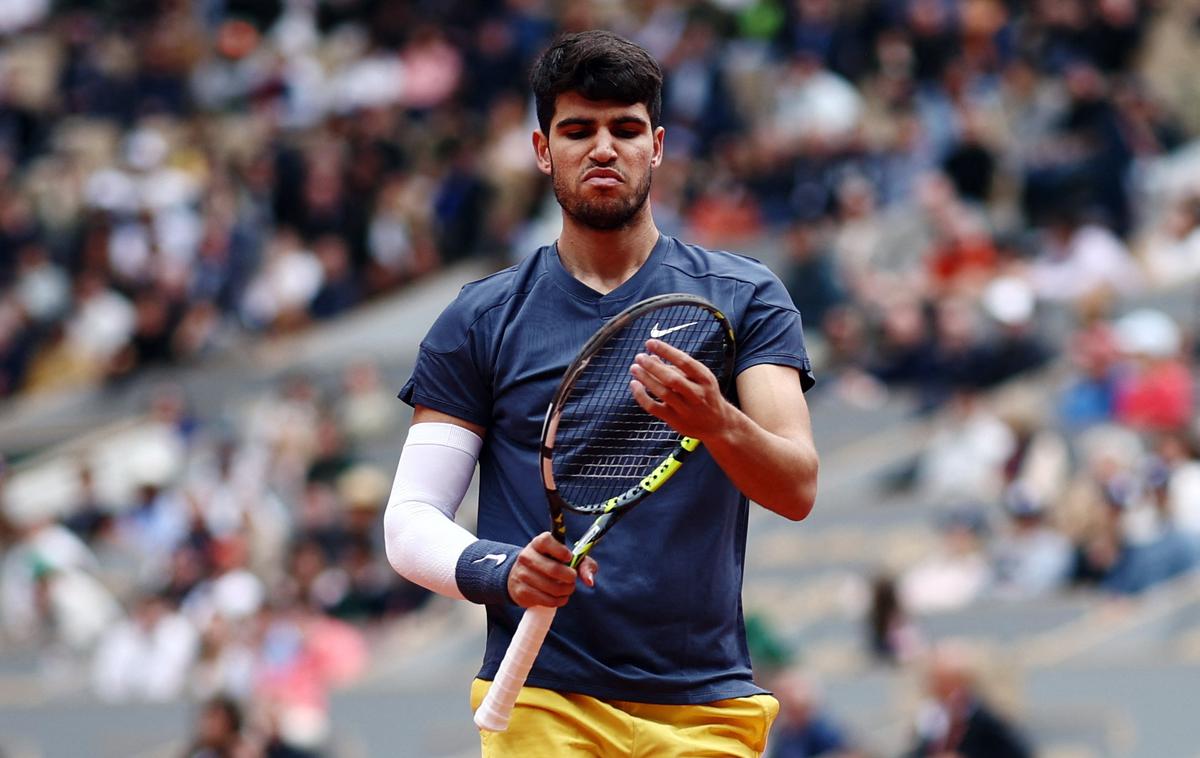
{"x": 423, "y": 542}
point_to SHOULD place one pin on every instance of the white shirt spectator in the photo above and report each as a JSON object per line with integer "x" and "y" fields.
{"x": 234, "y": 596}
{"x": 102, "y": 324}
{"x": 1031, "y": 561}
{"x": 814, "y": 102}
{"x": 147, "y": 657}
{"x": 48, "y": 547}
{"x": 16, "y": 15}
{"x": 43, "y": 289}
{"x": 81, "y": 608}
{"x": 1172, "y": 261}
{"x": 945, "y": 582}
{"x": 963, "y": 460}
{"x": 1092, "y": 259}
{"x": 1183, "y": 495}
{"x": 288, "y": 281}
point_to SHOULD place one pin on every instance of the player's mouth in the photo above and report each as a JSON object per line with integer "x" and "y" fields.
{"x": 603, "y": 177}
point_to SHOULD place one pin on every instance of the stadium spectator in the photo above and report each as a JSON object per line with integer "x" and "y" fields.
{"x": 1170, "y": 251}
{"x": 1030, "y": 557}
{"x": 964, "y": 458}
{"x": 810, "y": 274}
{"x": 804, "y": 729}
{"x": 49, "y": 590}
{"x": 957, "y": 574}
{"x": 1180, "y": 485}
{"x": 147, "y": 656}
{"x": 892, "y": 635}
{"x": 1155, "y": 394}
{"x": 1080, "y": 260}
{"x": 956, "y": 719}
{"x": 218, "y": 730}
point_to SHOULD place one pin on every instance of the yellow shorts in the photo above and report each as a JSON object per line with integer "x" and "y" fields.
{"x": 564, "y": 725}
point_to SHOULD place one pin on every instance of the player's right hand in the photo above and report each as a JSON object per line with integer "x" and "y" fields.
{"x": 541, "y": 575}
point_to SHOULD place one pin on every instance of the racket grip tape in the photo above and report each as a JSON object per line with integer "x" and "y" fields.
{"x": 497, "y": 705}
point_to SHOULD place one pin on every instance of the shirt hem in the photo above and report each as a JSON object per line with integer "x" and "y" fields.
{"x": 807, "y": 380}
{"x": 735, "y": 689}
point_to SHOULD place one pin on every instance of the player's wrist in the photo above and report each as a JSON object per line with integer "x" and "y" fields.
{"x": 482, "y": 571}
{"x": 729, "y": 430}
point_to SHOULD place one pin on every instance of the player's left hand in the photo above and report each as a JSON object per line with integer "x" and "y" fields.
{"x": 673, "y": 386}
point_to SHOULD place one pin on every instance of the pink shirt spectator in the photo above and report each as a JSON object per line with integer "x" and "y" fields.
{"x": 1157, "y": 398}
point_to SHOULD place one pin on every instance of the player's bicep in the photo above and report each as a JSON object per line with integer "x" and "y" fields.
{"x": 773, "y": 397}
{"x": 423, "y": 414}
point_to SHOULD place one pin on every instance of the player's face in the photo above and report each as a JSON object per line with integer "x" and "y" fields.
{"x": 601, "y": 155}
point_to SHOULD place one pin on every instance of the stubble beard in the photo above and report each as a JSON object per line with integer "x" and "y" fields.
{"x": 604, "y": 214}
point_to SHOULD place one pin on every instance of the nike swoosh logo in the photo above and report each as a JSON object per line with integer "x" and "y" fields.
{"x": 656, "y": 333}
{"x": 497, "y": 557}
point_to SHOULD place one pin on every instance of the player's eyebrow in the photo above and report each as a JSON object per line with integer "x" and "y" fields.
{"x": 584, "y": 121}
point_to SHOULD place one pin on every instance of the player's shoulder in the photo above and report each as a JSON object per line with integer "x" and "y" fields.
{"x": 478, "y": 297}
{"x": 696, "y": 260}
{"x": 479, "y": 301}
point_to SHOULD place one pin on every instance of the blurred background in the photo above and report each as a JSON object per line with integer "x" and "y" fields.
{"x": 226, "y": 224}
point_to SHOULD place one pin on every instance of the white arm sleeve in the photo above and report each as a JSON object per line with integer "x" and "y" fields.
{"x": 423, "y": 543}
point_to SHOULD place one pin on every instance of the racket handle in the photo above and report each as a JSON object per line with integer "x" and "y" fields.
{"x": 497, "y": 706}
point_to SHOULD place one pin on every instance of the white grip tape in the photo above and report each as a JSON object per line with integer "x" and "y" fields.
{"x": 494, "y": 711}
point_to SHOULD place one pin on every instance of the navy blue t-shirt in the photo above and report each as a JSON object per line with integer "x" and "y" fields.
{"x": 664, "y": 622}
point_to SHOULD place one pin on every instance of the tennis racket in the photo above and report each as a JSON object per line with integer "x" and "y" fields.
{"x": 602, "y": 454}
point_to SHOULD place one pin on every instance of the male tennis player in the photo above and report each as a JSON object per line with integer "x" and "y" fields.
{"x": 651, "y": 660}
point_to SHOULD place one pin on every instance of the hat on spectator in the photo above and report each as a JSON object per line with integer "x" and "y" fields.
{"x": 1009, "y": 300}
{"x": 363, "y": 486}
{"x": 1149, "y": 332}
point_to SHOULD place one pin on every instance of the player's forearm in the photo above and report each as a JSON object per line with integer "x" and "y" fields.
{"x": 777, "y": 472}
{"x": 422, "y": 541}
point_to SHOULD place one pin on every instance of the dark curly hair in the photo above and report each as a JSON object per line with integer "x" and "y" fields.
{"x": 599, "y": 65}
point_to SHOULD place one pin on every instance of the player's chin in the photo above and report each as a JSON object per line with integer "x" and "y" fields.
{"x": 605, "y": 197}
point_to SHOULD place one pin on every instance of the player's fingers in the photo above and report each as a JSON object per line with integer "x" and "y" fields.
{"x": 650, "y": 382}
{"x": 691, "y": 368}
{"x": 672, "y": 379}
{"x": 655, "y": 408}
{"x": 546, "y": 571}
{"x": 587, "y": 571}
{"x": 649, "y": 404}
{"x": 546, "y": 544}
{"x": 527, "y": 597}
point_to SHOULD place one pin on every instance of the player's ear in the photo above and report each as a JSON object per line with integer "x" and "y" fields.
{"x": 657, "y": 158}
{"x": 541, "y": 151}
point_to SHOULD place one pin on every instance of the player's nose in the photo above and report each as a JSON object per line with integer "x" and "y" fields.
{"x": 603, "y": 149}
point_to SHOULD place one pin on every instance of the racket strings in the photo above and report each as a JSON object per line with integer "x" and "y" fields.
{"x": 606, "y": 443}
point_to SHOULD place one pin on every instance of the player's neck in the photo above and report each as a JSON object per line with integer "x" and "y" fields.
{"x": 604, "y": 260}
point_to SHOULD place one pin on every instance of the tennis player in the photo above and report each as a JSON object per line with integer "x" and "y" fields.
{"x": 650, "y": 660}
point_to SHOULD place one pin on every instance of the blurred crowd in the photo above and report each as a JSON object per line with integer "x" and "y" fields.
{"x": 957, "y": 194}
{"x": 235, "y": 558}
{"x": 176, "y": 174}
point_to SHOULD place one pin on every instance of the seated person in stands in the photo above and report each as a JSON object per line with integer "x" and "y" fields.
{"x": 956, "y": 720}
{"x": 804, "y": 729}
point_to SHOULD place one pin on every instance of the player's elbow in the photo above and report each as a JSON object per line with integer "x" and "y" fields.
{"x": 796, "y": 509}
{"x": 393, "y": 540}
{"x": 802, "y": 496}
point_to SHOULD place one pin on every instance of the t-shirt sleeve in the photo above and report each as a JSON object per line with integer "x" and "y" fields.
{"x": 451, "y": 373}
{"x": 771, "y": 330}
